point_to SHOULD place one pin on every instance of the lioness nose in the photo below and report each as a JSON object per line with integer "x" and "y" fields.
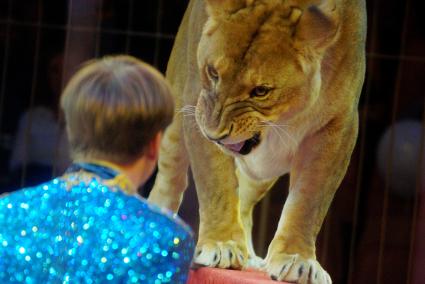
{"x": 217, "y": 139}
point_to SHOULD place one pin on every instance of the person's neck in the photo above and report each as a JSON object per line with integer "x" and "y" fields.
{"x": 135, "y": 172}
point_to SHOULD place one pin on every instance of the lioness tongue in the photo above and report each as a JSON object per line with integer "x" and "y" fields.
{"x": 235, "y": 147}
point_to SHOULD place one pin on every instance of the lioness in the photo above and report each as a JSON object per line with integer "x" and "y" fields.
{"x": 274, "y": 87}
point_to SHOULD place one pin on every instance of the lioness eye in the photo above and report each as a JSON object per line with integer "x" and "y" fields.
{"x": 259, "y": 91}
{"x": 212, "y": 73}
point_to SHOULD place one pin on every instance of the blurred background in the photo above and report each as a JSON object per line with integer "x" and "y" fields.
{"x": 375, "y": 229}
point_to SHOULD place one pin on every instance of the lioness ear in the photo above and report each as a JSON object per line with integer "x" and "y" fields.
{"x": 225, "y": 7}
{"x": 317, "y": 26}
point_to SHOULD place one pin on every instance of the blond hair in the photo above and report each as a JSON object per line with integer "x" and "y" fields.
{"x": 113, "y": 107}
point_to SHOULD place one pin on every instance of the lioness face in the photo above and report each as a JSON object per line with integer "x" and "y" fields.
{"x": 252, "y": 75}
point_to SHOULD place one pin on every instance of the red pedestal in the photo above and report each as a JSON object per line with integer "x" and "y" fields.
{"x": 208, "y": 275}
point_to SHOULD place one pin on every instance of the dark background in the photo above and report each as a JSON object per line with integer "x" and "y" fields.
{"x": 371, "y": 233}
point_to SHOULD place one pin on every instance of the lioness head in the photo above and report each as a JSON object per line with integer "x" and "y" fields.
{"x": 259, "y": 62}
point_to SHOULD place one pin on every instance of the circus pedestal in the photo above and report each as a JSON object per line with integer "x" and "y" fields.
{"x": 207, "y": 275}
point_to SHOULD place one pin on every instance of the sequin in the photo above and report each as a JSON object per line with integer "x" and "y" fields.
{"x": 89, "y": 233}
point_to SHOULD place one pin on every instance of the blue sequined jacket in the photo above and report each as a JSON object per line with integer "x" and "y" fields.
{"x": 81, "y": 228}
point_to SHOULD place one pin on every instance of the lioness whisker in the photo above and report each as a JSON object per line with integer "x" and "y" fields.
{"x": 280, "y": 136}
{"x": 187, "y": 109}
{"x": 287, "y": 134}
{"x": 268, "y": 123}
{"x": 278, "y": 127}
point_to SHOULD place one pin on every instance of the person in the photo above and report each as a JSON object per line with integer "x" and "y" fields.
{"x": 89, "y": 225}
{"x": 40, "y": 147}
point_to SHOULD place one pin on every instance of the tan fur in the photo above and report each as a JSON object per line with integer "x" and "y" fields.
{"x": 311, "y": 53}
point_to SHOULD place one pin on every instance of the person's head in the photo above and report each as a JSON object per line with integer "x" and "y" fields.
{"x": 114, "y": 108}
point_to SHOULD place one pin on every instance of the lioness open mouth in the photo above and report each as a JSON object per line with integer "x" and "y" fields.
{"x": 243, "y": 147}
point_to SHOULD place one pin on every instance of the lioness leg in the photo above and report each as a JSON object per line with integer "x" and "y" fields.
{"x": 221, "y": 241}
{"x": 318, "y": 169}
{"x": 173, "y": 163}
{"x": 250, "y": 193}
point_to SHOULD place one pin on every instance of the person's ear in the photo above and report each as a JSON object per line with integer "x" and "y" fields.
{"x": 152, "y": 150}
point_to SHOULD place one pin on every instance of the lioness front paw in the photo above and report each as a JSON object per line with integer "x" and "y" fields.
{"x": 296, "y": 269}
{"x": 256, "y": 263}
{"x": 220, "y": 254}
